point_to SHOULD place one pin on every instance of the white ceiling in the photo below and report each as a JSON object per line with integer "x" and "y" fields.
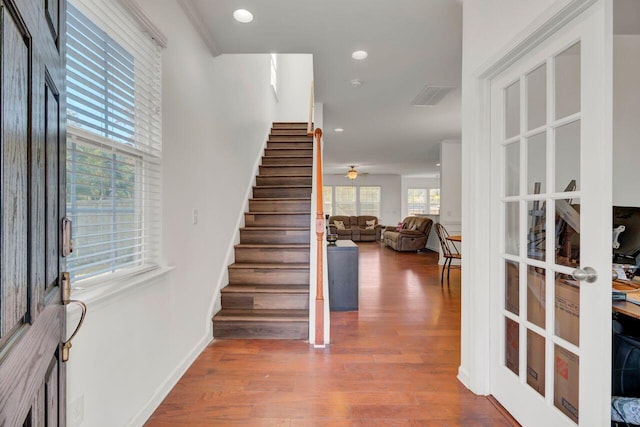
{"x": 411, "y": 44}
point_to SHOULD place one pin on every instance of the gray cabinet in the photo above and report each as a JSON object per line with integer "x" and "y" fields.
{"x": 342, "y": 266}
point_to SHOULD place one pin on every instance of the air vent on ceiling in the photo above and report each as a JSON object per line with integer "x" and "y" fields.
{"x": 431, "y": 95}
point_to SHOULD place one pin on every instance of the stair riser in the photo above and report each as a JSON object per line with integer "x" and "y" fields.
{"x": 296, "y": 132}
{"x": 266, "y": 301}
{"x": 255, "y": 255}
{"x": 284, "y": 192}
{"x": 239, "y": 276}
{"x": 284, "y": 170}
{"x": 266, "y": 330}
{"x": 288, "y": 152}
{"x": 290, "y": 139}
{"x": 287, "y": 161}
{"x": 284, "y": 125}
{"x": 283, "y": 180}
{"x": 258, "y": 205}
{"x": 275, "y": 236}
{"x": 279, "y": 220}
{"x": 296, "y": 145}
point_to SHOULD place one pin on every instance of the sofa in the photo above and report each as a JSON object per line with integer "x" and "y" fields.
{"x": 355, "y": 228}
{"x": 412, "y": 237}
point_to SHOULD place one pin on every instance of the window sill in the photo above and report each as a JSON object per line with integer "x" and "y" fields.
{"x": 106, "y": 292}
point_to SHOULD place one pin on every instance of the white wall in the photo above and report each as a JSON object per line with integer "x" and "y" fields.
{"x": 626, "y": 126}
{"x": 451, "y": 183}
{"x": 295, "y": 74}
{"x": 391, "y": 190}
{"x": 135, "y": 345}
{"x": 489, "y": 26}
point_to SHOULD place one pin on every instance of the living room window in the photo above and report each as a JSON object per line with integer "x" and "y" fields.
{"x": 327, "y": 199}
{"x": 352, "y": 200}
{"x": 421, "y": 201}
{"x": 417, "y": 201}
{"x": 114, "y": 141}
{"x": 369, "y": 201}
{"x": 346, "y": 200}
{"x": 434, "y": 201}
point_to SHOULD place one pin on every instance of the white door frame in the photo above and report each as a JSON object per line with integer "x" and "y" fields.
{"x": 475, "y": 369}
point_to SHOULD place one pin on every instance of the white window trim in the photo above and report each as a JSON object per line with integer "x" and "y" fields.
{"x": 105, "y": 285}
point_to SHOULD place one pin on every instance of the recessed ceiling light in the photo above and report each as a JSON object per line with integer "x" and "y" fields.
{"x": 359, "y": 55}
{"x": 437, "y": 164}
{"x": 243, "y": 15}
{"x": 339, "y": 130}
{"x": 356, "y": 82}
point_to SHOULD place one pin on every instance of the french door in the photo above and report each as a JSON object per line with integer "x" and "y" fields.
{"x": 551, "y": 215}
{"x": 32, "y": 318}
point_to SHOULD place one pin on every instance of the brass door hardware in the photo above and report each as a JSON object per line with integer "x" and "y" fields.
{"x": 66, "y": 300}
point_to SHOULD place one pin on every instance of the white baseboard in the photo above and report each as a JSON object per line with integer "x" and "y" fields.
{"x": 167, "y": 385}
{"x": 463, "y": 376}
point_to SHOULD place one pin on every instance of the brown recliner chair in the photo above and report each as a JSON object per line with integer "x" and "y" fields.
{"x": 413, "y": 237}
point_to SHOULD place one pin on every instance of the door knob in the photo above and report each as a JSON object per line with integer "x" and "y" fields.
{"x": 587, "y": 274}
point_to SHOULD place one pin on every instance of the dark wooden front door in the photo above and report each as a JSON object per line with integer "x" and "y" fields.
{"x": 32, "y": 152}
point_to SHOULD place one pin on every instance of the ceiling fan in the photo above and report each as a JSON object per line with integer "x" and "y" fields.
{"x": 352, "y": 173}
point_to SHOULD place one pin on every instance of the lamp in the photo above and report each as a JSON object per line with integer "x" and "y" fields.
{"x": 352, "y": 173}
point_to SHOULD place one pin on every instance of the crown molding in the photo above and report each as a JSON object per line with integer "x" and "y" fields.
{"x": 145, "y": 22}
{"x": 201, "y": 27}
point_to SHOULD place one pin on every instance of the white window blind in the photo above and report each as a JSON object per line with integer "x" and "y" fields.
{"x": 434, "y": 201}
{"x": 345, "y": 200}
{"x": 327, "y": 199}
{"x": 417, "y": 201}
{"x": 370, "y": 201}
{"x": 114, "y": 140}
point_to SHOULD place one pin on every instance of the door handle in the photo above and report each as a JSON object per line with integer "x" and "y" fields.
{"x": 586, "y": 274}
{"x": 66, "y": 300}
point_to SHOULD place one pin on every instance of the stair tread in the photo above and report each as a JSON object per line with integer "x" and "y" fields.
{"x": 276, "y": 228}
{"x": 262, "y": 315}
{"x": 273, "y": 246}
{"x": 282, "y": 186}
{"x": 289, "y": 157}
{"x": 271, "y": 199}
{"x": 270, "y": 266}
{"x": 286, "y": 166}
{"x": 266, "y": 289}
{"x": 277, "y": 213}
{"x": 287, "y": 176}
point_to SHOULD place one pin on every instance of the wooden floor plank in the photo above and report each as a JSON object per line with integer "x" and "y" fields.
{"x": 392, "y": 363}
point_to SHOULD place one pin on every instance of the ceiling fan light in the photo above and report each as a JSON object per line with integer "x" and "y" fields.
{"x": 352, "y": 173}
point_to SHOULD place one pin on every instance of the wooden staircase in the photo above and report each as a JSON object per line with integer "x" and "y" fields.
{"x": 268, "y": 291}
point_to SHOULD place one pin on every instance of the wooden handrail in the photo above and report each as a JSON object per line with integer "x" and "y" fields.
{"x": 319, "y": 242}
{"x": 311, "y": 102}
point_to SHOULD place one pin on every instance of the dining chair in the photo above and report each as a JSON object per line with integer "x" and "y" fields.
{"x": 449, "y": 251}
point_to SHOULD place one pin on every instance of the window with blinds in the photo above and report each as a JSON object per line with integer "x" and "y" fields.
{"x": 417, "y": 201}
{"x": 114, "y": 141}
{"x": 369, "y": 201}
{"x": 345, "y": 200}
{"x": 327, "y": 199}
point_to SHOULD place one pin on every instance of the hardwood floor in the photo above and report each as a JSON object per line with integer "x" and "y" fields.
{"x": 392, "y": 363}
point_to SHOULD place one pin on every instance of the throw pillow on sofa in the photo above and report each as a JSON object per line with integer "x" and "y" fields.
{"x": 371, "y": 224}
{"x": 339, "y": 225}
{"x": 400, "y": 226}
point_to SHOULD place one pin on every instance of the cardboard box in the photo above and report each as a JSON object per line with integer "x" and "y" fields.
{"x": 566, "y": 385}
{"x": 536, "y": 296}
{"x": 512, "y": 347}
{"x": 567, "y": 306}
{"x": 536, "y": 361}
{"x": 512, "y": 287}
